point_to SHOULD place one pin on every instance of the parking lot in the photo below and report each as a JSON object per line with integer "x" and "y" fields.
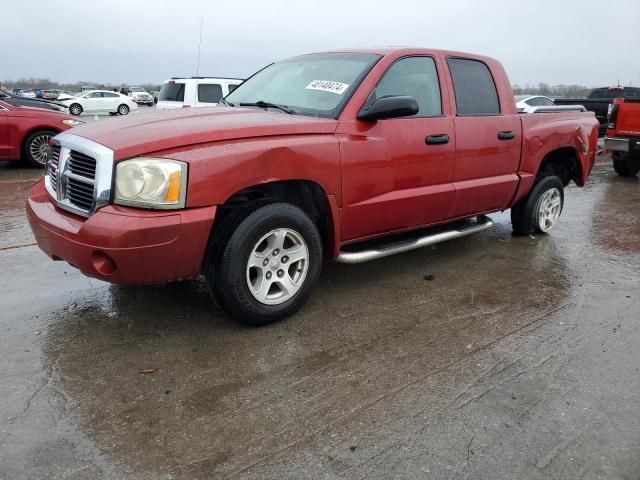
{"x": 489, "y": 356}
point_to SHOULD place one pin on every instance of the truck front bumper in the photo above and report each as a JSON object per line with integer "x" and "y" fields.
{"x": 120, "y": 244}
{"x": 622, "y": 144}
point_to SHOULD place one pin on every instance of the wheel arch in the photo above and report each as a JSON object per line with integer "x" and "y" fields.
{"x": 307, "y": 195}
{"x": 562, "y": 162}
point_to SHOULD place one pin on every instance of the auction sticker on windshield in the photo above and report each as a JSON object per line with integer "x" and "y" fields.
{"x": 328, "y": 86}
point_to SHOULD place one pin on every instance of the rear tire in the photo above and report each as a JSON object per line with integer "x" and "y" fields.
{"x": 258, "y": 293}
{"x": 539, "y": 211}
{"x": 626, "y": 165}
{"x": 75, "y": 109}
{"x": 36, "y": 147}
{"x": 123, "y": 109}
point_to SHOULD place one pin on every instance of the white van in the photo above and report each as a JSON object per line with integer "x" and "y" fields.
{"x": 195, "y": 91}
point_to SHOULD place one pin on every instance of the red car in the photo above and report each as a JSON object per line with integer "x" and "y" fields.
{"x": 25, "y": 132}
{"x": 623, "y": 136}
{"x": 325, "y": 155}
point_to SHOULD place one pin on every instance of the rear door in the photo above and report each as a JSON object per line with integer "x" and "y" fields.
{"x": 110, "y": 101}
{"x": 208, "y": 94}
{"x": 488, "y": 141}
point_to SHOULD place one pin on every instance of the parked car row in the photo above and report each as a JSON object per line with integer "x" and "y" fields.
{"x": 599, "y": 100}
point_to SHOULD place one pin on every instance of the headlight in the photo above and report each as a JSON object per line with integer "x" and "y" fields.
{"x": 151, "y": 183}
{"x": 71, "y": 122}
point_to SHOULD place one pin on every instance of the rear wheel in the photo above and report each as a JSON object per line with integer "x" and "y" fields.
{"x": 75, "y": 109}
{"x": 626, "y": 165}
{"x": 123, "y": 109}
{"x": 540, "y": 210}
{"x": 269, "y": 265}
{"x": 36, "y": 147}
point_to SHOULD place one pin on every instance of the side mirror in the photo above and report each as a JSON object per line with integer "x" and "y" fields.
{"x": 389, "y": 107}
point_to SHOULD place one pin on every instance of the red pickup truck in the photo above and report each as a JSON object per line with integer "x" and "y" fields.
{"x": 623, "y": 136}
{"x": 327, "y": 155}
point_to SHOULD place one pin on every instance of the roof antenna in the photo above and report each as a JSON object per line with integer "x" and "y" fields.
{"x": 199, "y": 45}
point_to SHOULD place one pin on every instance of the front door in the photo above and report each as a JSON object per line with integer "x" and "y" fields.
{"x": 397, "y": 172}
{"x": 92, "y": 102}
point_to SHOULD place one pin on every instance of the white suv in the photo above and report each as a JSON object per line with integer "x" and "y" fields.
{"x": 195, "y": 91}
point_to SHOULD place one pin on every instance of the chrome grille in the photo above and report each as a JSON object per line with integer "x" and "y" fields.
{"x": 78, "y": 180}
{"x": 78, "y": 176}
{"x": 81, "y": 164}
{"x": 53, "y": 158}
{"x": 80, "y": 193}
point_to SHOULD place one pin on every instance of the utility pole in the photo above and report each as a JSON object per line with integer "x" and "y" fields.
{"x": 199, "y": 45}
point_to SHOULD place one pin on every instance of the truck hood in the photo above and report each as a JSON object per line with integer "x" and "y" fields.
{"x": 143, "y": 134}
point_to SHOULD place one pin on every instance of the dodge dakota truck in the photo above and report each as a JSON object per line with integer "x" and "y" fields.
{"x": 345, "y": 155}
{"x": 623, "y": 136}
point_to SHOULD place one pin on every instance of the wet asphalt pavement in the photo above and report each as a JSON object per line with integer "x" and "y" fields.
{"x": 520, "y": 358}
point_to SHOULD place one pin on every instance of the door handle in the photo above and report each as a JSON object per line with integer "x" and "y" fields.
{"x": 507, "y": 135}
{"x": 440, "y": 139}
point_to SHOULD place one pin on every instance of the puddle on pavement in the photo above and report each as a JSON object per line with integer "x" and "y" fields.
{"x": 223, "y": 396}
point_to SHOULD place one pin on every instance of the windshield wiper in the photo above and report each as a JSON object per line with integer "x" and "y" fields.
{"x": 227, "y": 103}
{"x": 263, "y": 104}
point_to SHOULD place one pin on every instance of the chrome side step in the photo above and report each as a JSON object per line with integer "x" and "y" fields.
{"x": 362, "y": 256}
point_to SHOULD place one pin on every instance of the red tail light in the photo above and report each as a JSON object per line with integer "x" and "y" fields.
{"x": 613, "y": 116}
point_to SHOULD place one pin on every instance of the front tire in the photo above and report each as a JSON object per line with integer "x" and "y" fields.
{"x": 75, "y": 109}
{"x": 269, "y": 265}
{"x": 626, "y": 165}
{"x": 539, "y": 211}
{"x": 123, "y": 109}
{"x": 36, "y": 147}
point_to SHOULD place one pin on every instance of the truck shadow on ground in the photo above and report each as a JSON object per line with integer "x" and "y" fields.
{"x": 218, "y": 397}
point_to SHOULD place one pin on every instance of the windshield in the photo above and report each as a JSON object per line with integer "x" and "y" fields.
{"x": 137, "y": 89}
{"x": 318, "y": 85}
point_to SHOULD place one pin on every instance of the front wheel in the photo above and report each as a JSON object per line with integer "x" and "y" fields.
{"x": 123, "y": 109}
{"x": 269, "y": 265}
{"x": 75, "y": 109}
{"x": 626, "y": 165}
{"x": 36, "y": 147}
{"x": 539, "y": 211}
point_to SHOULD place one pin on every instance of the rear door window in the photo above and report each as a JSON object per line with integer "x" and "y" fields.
{"x": 172, "y": 92}
{"x": 474, "y": 87}
{"x": 232, "y": 87}
{"x": 209, "y": 92}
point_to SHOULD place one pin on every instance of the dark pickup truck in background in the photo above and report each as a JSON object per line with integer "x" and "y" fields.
{"x": 598, "y": 101}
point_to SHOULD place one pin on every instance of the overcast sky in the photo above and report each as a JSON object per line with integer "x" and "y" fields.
{"x": 123, "y": 41}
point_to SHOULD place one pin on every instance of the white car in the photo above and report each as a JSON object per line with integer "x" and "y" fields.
{"x": 195, "y": 91}
{"x": 525, "y": 103}
{"x": 99, "y": 101}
